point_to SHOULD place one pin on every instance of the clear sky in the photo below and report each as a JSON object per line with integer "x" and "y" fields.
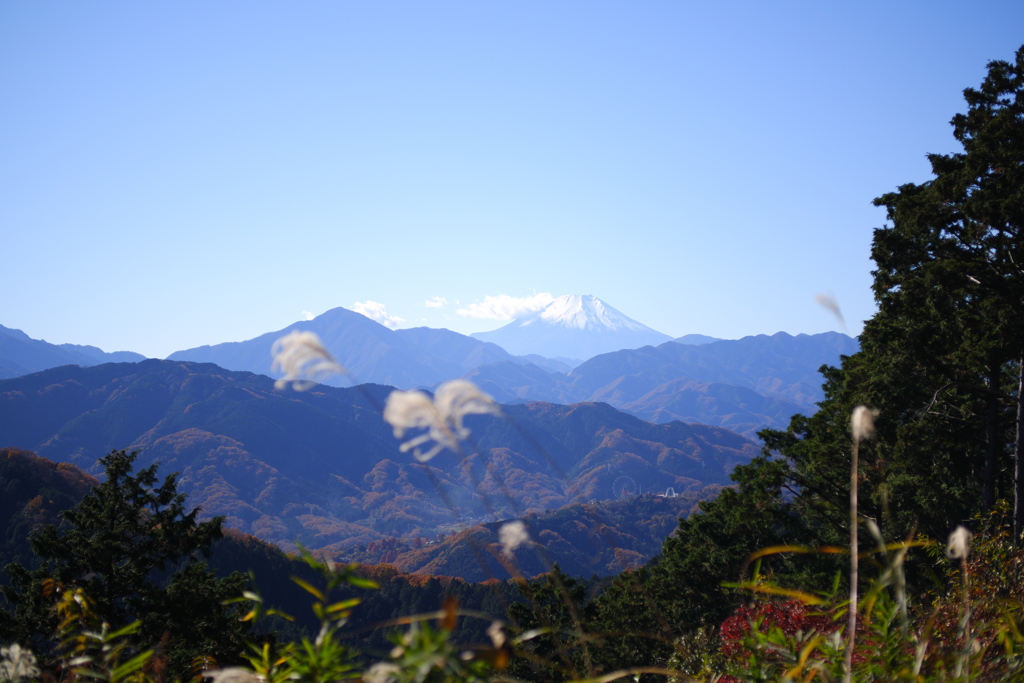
{"x": 183, "y": 173}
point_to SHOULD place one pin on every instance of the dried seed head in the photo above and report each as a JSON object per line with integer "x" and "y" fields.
{"x": 496, "y": 632}
{"x": 406, "y": 410}
{"x": 511, "y": 536}
{"x": 862, "y": 423}
{"x": 234, "y": 674}
{"x": 303, "y": 359}
{"x": 17, "y": 663}
{"x": 442, "y": 418}
{"x": 959, "y": 546}
{"x": 382, "y": 672}
{"x": 458, "y": 398}
{"x": 828, "y": 302}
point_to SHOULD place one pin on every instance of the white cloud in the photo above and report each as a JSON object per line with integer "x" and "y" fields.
{"x": 375, "y": 311}
{"x": 308, "y": 315}
{"x": 505, "y": 307}
{"x": 436, "y": 302}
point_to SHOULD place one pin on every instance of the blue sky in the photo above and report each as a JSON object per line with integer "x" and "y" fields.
{"x": 178, "y": 174}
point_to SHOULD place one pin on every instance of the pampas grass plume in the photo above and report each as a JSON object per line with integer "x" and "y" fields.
{"x": 959, "y": 546}
{"x": 17, "y": 663}
{"x": 301, "y": 356}
{"x": 829, "y": 303}
{"x": 234, "y": 674}
{"x": 441, "y": 417}
{"x": 862, "y": 423}
{"x": 511, "y": 536}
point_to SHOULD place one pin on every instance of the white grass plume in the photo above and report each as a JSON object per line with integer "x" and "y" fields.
{"x": 233, "y": 674}
{"x": 959, "y": 546}
{"x": 382, "y": 672}
{"x": 301, "y": 356}
{"x": 862, "y": 423}
{"x": 511, "y": 536}
{"x": 17, "y": 663}
{"x": 496, "y": 632}
{"x": 442, "y": 417}
{"x": 828, "y": 302}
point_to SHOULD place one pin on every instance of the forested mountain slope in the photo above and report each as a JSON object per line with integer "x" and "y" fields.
{"x": 322, "y": 467}
{"x": 36, "y": 490}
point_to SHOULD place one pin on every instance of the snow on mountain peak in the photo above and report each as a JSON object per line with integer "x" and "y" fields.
{"x": 585, "y": 311}
{"x": 573, "y": 326}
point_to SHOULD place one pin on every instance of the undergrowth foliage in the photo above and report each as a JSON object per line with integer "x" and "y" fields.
{"x": 970, "y": 631}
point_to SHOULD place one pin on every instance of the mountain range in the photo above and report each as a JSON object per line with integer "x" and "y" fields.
{"x": 744, "y": 385}
{"x": 20, "y": 354}
{"x": 322, "y": 468}
{"x": 35, "y": 491}
{"x": 601, "y": 537}
{"x": 567, "y": 331}
{"x": 369, "y": 351}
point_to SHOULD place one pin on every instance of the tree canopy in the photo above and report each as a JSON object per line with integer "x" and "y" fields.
{"x": 132, "y": 547}
{"x": 943, "y": 362}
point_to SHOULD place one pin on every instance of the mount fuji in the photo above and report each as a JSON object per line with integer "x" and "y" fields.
{"x": 573, "y": 326}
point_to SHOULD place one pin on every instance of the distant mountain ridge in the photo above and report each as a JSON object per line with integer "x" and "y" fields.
{"x": 781, "y": 365}
{"x": 20, "y": 354}
{"x": 574, "y": 326}
{"x": 370, "y": 352}
{"x": 322, "y": 467}
{"x": 697, "y": 339}
{"x": 423, "y": 356}
{"x": 743, "y": 384}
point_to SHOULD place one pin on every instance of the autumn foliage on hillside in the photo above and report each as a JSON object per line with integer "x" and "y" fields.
{"x": 322, "y": 469}
{"x": 33, "y": 492}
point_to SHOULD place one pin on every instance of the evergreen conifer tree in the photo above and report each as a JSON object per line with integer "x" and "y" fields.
{"x": 943, "y": 362}
{"x": 133, "y": 548}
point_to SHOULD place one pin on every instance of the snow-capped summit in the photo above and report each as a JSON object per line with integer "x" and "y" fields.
{"x": 582, "y": 311}
{"x": 573, "y": 326}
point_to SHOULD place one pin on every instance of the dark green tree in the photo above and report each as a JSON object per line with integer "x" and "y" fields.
{"x": 133, "y": 548}
{"x": 983, "y": 188}
{"x": 644, "y": 613}
{"x": 941, "y": 358}
{"x": 942, "y": 361}
{"x": 556, "y": 605}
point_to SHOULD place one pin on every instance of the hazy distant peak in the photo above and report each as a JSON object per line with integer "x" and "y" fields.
{"x": 696, "y": 339}
{"x": 11, "y": 332}
{"x": 20, "y": 354}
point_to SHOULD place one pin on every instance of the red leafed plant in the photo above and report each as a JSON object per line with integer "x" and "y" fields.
{"x": 790, "y": 616}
